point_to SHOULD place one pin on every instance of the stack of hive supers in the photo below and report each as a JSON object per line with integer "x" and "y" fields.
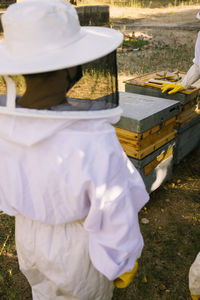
{"x": 147, "y": 134}
{"x": 188, "y": 121}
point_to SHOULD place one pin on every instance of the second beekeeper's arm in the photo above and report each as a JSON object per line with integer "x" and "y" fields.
{"x": 192, "y": 75}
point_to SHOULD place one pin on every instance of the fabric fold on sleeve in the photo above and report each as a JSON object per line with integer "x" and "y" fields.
{"x": 193, "y": 73}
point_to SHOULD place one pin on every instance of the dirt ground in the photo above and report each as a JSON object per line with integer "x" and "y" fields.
{"x": 171, "y": 232}
{"x": 171, "y": 237}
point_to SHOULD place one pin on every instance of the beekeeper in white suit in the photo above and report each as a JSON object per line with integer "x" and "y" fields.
{"x": 192, "y": 75}
{"x": 64, "y": 176}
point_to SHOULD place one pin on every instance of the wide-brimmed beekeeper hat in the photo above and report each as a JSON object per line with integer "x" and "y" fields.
{"x": 45, "y": 35}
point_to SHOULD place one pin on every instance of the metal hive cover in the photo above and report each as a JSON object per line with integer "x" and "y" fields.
{"x": 141, "y": 112}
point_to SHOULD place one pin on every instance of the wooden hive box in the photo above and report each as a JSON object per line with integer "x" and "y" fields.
{"x": 188, "y": 138}
{"x": 187, "y": 114}
{"x": 187, "y": 122}
{"x": 157, "y": 167}
{"x": 147, "y": 85}
{"x": 146, "y": 124}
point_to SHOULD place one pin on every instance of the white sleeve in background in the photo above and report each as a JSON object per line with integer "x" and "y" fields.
{"x": 194, "y": 276}
{"x": 196, "y": 59}
{"x": 115, "y": 240}
{"x": 192, "y": 75}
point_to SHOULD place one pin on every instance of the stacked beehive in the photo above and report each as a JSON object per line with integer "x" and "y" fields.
{"x": 187, "y": 123}
{"x": 147, "y": 134}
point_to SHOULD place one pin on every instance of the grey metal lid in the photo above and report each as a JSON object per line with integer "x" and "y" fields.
{"x": 141, "y": 112}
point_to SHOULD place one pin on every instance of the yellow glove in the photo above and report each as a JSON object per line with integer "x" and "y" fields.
{"x": 174, "y": 87}
{"x": 125, "y": 279}
{"x": 195, "y": 297}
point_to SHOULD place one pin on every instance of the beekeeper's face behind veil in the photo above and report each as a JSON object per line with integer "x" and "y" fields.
{"x": 49, "y": 89}
{"x": 44, "y": 41}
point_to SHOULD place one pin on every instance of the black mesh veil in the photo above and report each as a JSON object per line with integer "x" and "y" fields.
{"x": 91, "y": 86}
{"x": 97, "y": 87}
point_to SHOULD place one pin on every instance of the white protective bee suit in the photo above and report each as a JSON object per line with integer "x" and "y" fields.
{"x": 193, "y": 73}
{"x": 194, "y": 272}
{"x": 64, "y": 175}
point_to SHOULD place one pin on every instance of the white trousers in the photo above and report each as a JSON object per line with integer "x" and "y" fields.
{"x": 56, "y": 262}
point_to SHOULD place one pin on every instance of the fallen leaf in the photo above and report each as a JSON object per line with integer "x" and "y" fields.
{"x": 144, "y": 221}
{"x": 162, "y": 287}
{"x": 144, "y": 279}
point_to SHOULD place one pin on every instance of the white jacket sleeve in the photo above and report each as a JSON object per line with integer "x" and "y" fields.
{"x": 196, "y": 59}
{"x": 115, "y": 240}
{"x": 192, "y": 75}
{"x": 194, "y": 276}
